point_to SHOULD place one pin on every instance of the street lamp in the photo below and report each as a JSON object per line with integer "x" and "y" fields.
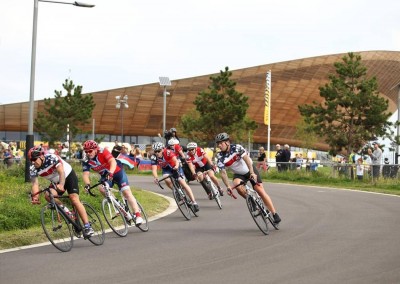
{"x": 29, "y": 136}
{"x": 121, "y": 104}
{"x": 164, "y": 82}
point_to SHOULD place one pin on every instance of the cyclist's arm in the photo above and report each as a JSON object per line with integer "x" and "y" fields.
{"x": 247, "y": 160}
{"x": 113, "y": 165}
{"x": 35, "y": 186}
{"x": 61, "y": 174}
{"x": 86, "y": 177}
{"x": 224, "y": 177}
{"x": 154, "y": 171}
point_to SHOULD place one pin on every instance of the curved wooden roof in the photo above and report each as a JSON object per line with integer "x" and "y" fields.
{"x": 293, "y": 83}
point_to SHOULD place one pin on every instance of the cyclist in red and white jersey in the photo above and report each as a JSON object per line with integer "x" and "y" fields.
{"x": 101, "y": 160}
{"x": 167, "y": 160}
{"x": 57, "y": 170}
{"x": 199, "y": 162}
{"x": 236, "y": 158}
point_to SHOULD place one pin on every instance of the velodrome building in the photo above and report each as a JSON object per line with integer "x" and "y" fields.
{"x": 294, "y": 83}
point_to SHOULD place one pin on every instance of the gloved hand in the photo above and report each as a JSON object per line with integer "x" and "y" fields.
{"x": 110, "y": 176}
{"x": 87, "y": 188}
{"x": 35, "y": 200}
{"x": 229, "y": 191}
{"x": 194, "y": 176}
{"x": 156, "y": 181}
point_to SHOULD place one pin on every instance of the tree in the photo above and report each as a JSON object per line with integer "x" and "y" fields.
{"x": 352, "y": 112}
{"x": 220, "y": 108}
{"x": 73, "y": 110}
{"x": 306, "y": 135}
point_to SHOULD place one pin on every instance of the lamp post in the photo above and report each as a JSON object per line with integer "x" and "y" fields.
{"x": 29, "y": 136}
{"x": 164, "y": 82}
{"x": 121, "y": 104}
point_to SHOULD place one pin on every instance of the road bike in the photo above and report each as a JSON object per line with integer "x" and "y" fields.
{"x": 258, "y": 211}
{"x": 209, "y": 186}
{"x": 182, "y": 200}
{"x": 119, "y": 214}
{"x": 61, "y": 226}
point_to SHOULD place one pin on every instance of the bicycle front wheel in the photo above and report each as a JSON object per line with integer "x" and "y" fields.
{"x": 215, "y": 193}
{"x": 256, "y": 213}
{"x": 114, "y": 218}
{"x": 182, "y": 205}
{"x": 97, "y": 226}
{"x": 56, "y": 228}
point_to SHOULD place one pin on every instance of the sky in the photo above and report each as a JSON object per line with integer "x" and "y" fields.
{"x": 121, "y": 43}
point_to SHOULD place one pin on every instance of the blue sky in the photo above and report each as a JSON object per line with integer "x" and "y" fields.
{"x": 127, "y": 42}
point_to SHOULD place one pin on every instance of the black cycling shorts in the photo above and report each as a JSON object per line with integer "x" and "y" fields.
{"x": 71, "y": 184}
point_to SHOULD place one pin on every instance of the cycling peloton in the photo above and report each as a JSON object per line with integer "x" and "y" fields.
{"x": 101, "y": 160}
{"x": 57, "y": 170}
{"x": 199, "y": 162}
{"x": 235, "y": 157}
{"x": 167, "y": 160}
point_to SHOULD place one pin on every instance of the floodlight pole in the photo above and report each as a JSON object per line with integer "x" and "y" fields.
{"x": 29, "y": 136}
{"x": 164, "y": 82}
{"x": 121, "y": 104}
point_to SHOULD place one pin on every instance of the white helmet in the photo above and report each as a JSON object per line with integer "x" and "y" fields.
{"x": 173, "y": 141}
{"x": 191, "y": 145}
{"x": 158, "y": 146}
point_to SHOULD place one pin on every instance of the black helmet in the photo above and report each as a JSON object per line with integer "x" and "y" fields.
{"x": 172, "y": 130}
{"x": 221, "y": 137}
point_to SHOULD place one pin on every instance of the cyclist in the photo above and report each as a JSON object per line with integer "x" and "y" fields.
{"x": 167, "y": 160}
{"x": 235, "y": 157}
{"x": 101, "y": 160}
{"x": 199, "y": 162}
{"x": 57, "y": 170}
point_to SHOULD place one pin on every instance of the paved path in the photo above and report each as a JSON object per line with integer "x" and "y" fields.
{"x": 326, "y": 236}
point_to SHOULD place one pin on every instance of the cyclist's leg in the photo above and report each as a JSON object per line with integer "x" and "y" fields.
{"x": 72, "y": 187}
{"x": 262, "y": 193}
{"x": 165, "y": 172}
{"x": 236, "y": 180}
{"x": 121, "y": 179}
{"x": 185, "y": 186}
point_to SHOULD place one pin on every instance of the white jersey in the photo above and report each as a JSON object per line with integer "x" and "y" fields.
{"x": 233, "y": 159}
{"x": 48, "y": 169}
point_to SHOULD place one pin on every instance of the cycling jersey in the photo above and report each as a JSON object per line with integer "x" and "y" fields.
{"x": 233, "y": 159}
{"x": 100, "y": 163}
{"x": 198, "y": 158}
{"x": 165, "y": 161}
{"x": 48, "y": 169}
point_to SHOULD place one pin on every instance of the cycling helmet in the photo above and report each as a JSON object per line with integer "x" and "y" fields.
{"x": 173, "y": 141}
{"x": 221, "y": 137}
{"x": 191, "y": 145}
{"x": 172, "y": 130}
{"x": 157, "y": 146}
{"x": 90, "y": 145}
{"x": 35, "y": 152}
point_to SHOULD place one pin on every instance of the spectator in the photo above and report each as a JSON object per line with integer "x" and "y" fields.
{"x": 360, "y": 168}
{"x": 261, "y": 159}
{"x": 287, "y": 155}
{"x": 313, "y": 165}
{"x": 376, "y": 157}
{"x": 279, "y": 157}
{"x": 299, "y": 161}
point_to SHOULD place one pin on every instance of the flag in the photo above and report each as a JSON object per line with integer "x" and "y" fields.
{"x": 126, "y": 160}
{"x": 267, "y": 109}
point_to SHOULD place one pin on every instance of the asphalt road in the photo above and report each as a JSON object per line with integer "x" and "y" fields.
{"x": 326, "y": 236}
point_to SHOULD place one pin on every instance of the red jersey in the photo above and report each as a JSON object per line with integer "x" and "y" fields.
{"x": 100, "y": 162}
{"x": 198, "y": 158}
{"x": 166, "y": 159}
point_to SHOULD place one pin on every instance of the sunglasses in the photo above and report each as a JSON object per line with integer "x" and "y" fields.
{"x": 191, "y": 150}
{"x": 89, "y": 151}
{"x": 158, "y": 151}
{"x": 34, "y": 159}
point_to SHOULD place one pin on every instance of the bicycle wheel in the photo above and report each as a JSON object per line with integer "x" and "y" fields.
{"x": 97, "y": 226}
{"x": 190, "y": 206}
{"x": 256, "y": 214}
{"x": 180, "y": 201}
{"x": 144, "y": 227}
{"x": 56, "y": 228}
{"x": 114, "y": 218}
{"x": 215, "y": 193}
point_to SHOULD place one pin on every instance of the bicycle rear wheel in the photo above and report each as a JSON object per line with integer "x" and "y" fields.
{"x": 256, "y": 213}
{"x": 215, "y": 194}
{"x": 97, "y": 226}
{"x": 114, "y": 218}
{"x": 56, "y": 228}
{"x": 180, "y": 201}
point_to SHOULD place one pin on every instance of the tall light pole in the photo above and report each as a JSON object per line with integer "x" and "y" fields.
{"x": 121, "y": 104}
{"x": 164, "y": 82}
{"x": 29, "y": 136}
